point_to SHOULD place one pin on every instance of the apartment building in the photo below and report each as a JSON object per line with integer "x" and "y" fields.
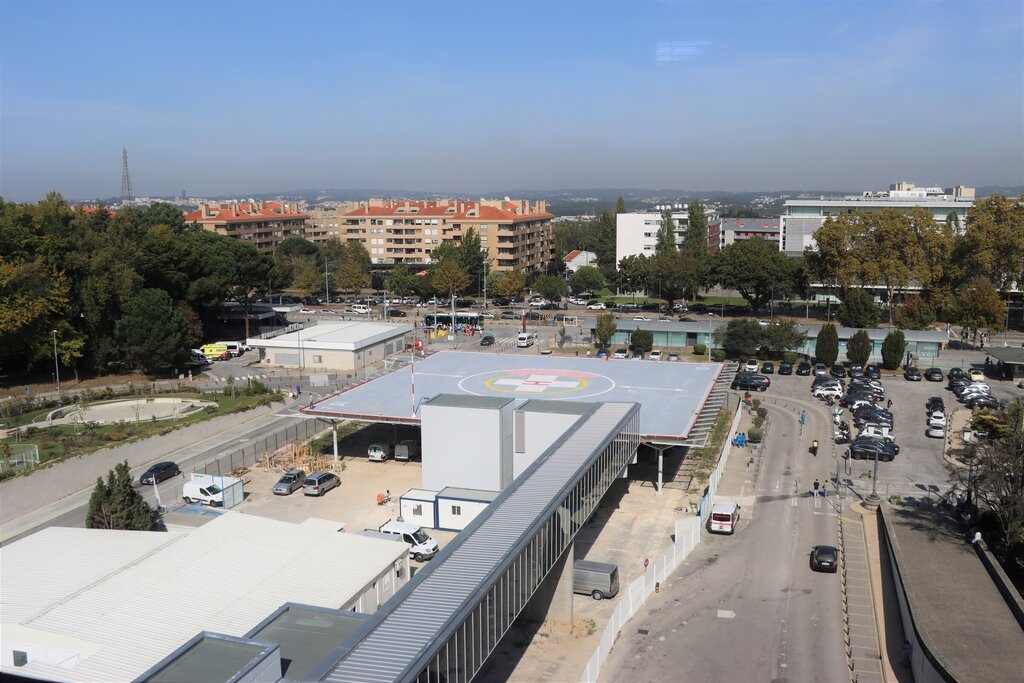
{"x": 263, "y": 224}
{"x": 326, "y": 222}
{"x": 637, "y": 232}
{"x": 732, "y": 230}
{"x": 802, "y": 217}
{"x": 515, "y": 234}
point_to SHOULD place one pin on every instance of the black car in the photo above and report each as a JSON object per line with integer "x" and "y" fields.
{"x": 933, "y": 375}
{"x": 159, "y": 472}
{"x": 873, "y": 372}
{"x": 912, "y": 374}
{"x": 865, "y": 448}
{"x": 856, "y": 372}
{"x": 853, "y": 396}
{"x": 935, "y": 403}
{"x": 838, "y": 371}
{"x": 534, "y": 315}
{"x": 982, "y": 401}
{"x": 487, "y": 341}
{"x": 957, "y": 383}
{"x": 751, "y": 382}
{"x": 956, "y": 373}
{"x": 804, "y": 368}
{"x": 500, "y": 302}
{"x": 785, "y": 368}
{"x": 767, "y": 368}
{"x": 395, "y": 313}
{"x": 824, "y": 558}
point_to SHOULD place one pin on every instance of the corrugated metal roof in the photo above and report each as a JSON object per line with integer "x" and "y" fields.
{"x": 453, "y": 582}
{"x": 467, "y": 494}
{"x": 225, "y": 576}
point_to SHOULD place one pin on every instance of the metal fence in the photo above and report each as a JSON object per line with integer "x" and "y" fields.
{"x": 248, "y": 455}
{"x": 687, "y": 536}
{"x": 23, "y": 456}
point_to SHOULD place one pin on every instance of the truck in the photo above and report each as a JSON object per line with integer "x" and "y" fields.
{"x": 421, "y": 546}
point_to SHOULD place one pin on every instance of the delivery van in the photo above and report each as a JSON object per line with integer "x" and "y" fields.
{"x": 421, "y": 546}
{"x": 526, "y": 339}
{"x": 407, "y": 450}
{"x": 234, "y": 348}
{"x": 215, "y": 351}
{"x": 379, "y": 452}
{"x": 205, "y": 492}
{"x": 361, "y": 309}
{"x": 724, "y": 517}
{"x": 198, "y": 356}
{"x": 599, "y": 580}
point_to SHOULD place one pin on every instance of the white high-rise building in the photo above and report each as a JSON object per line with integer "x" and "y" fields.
{"x": 637, "y": 232}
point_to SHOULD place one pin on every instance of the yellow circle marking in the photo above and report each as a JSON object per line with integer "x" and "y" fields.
{"x": 583, "y": 384}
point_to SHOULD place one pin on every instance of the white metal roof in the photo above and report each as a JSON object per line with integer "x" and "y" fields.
{"x": 346, "y": 335}
{"x": 226, "y": 576}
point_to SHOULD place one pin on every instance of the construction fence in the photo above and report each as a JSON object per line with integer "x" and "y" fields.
{"x": 687, "y": 536}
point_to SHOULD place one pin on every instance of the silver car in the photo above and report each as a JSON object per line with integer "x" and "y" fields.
{"x": 290, "y": 482}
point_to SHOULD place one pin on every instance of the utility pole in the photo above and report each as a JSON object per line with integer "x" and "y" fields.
{"x": 56, "y": 365}
{"x": 327, "y": 284}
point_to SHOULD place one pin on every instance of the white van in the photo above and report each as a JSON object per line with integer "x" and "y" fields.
{"x": 361, "y": 309}
{"x": 526, "y": 339}
{"x": 379, "y": 452}
{"x": 724, "y": 517}
{"x": 421, "y": 546}
{"x": 407, "y": 450}
{"x": 234, "y": 348}
{"x": 205, "y": 492}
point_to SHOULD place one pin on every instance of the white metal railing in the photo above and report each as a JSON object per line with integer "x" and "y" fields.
{"x": 687, "y": 537}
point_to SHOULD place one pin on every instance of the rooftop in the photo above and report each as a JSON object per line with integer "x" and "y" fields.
{"x": 225, "y": 576}
{"x": 242, "y": 212}
{"x": 453, "y": 210}
{"x": 349, "y": 335}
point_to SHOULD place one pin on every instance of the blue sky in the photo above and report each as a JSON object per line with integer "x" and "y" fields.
{"x": 474, "y": 97}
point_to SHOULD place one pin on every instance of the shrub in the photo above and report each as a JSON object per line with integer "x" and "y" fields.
{"x": 115, "y": 436}
{"x": 256, "y": 388}
{"x": 755, "y": 404}
{"x": 758, "y": 421}
{"x": 699, "y": 349}
{"x": 718, "y": 355}
{"x": 755, "y": 435}
{"x": 761, "y": 412}
{"x": 790, "y": 357}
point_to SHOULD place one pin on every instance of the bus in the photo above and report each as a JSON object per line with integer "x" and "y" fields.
{"x": 462, "y": 318}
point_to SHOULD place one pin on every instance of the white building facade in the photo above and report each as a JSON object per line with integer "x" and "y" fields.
{"x": 802, "y": 217}
{"x": 637, "y": 233}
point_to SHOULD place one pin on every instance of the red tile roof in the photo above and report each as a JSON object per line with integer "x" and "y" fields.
{"x": 571, "y": 255}
{"x": 242, "y": 212}
{"x": 450, "y": 211}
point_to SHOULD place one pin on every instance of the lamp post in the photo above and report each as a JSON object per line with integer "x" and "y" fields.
{"x": 872, "y": 500}
{"x": 56, "y": 365}
{"x": 327, "y": 284}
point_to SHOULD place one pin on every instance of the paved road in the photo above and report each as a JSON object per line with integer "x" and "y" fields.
{"x": 747, "y": 607}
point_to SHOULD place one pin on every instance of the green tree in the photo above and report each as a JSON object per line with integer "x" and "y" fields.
{"x": 977, "y": 306}
{"x": 695, "y": 246}
{"x": 471, "y": 258}
{"x": 400, "y": 281}
{"x": 782, "y": 335}
{"x": 756, "y": 269}
{"x": 859, "y": 348}
{"x": 996, "y": 481}
{"x": 666, "y": 240}
{"x": 670, "y": 275}
{"x": 892, "y": 349}
{"x": 153, "y": 331}
{"x": 509, "y": 284}
{"x": 620, "y": 205}
{"x": 740, "y": 337}
{"x": 550, "y": 287}
{"x": 993, "y": 242}
{"x": 858, "y": 309}
{"x": 253, "y": 275}
{"x": 605, "y": 243}
{"x": 838, "y": 260}
{"x": 586, "y": 279}
{"x": 826, "y": 346}
{"x": 641, "y": 341}
{"x": 305, "y": 276}
{"x": 914, "y": 313}
{"x": 449, "y": 278}
{"x": 116, "y": 504}
{"x": 605, "y": 328}
{"x": 634, "y": 273}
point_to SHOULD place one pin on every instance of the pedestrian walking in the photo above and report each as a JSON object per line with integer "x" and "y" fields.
{"x": 815, "y": 489}
{"x": 824, "y": 489}
{"x": 888, "y": 405}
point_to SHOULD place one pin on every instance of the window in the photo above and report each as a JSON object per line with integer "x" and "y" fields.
{"x": 457, "y": 510}
{"x": 483, "y": 227}
{"x": 318, "y": 359}
{"x": 417, "y": 509}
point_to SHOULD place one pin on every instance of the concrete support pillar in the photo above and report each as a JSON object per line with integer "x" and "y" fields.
{"x": 552, "y": 602}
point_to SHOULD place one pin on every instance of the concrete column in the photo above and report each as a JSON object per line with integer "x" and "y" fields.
{"x": 552, "y": 602}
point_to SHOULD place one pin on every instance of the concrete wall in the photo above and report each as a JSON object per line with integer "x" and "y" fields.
{"x": 468, "y": 510}
{"x": 466, "y": 447}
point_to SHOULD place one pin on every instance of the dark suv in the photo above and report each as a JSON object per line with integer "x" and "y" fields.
{"x": 864, "y": 448}
{"x": 804, "y": 368}
{"x": 750, "y": 381}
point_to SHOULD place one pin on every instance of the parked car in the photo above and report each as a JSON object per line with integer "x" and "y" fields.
{"x": 935, "y": 403}
{"x": 289, "y": 482}
{"x": 620, "y": 353}
{"x": 975, "y": 375}
{"x": 936, "y": 432}
{"x": 486, "y": 314}
{"x": 534, "y": 315}
{"x": 673, "y": 357}
{"x": 487, "y": 340}
{"x": 785, "y": 368}
{"x": 856, "y": 372}
{"x": 804, "y": 368}
{"x": 596, "y": 306}
{"x": 820, "y": 370}
{"x": 159, "y": 472}
{"x": 767, "y": 368}
{"x": 912, "y": 374}
{"x": 656, "y": 355}
{"x": 982, "y": 401}
{"x": 954, "y": 373}
{"x": 750, "y": 365}
{"x": 933, "y": 375}
{"x": 749, "y": 381}
{"x": 838, "y": 371}
{"x": 873, "y": 371}
{"x": 396, "y": 313}
{"x": 824, "y": 558}
{"x": 824, "y": 392}
{"x": 865, "y": 449}
{"x": 319, "y": 483}
{"x": 509, "y": 315}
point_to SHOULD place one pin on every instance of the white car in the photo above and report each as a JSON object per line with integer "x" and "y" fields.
{"x": 655, "y": 354}
{"x": 642, "y": 318}
{"x": 763, "y": 323}
{"x": 537, "y": 303}
{"x": 486, "y": 314}
{"x": 936, "y": 432}
{"x": 751, "y": 365}
{"x": 596, "y": 307}
{"x": 619, "y": 353}
{"x": 307, "y": 311}
{"x": 577, "y": 301}
{"x": 826, "y": 391}
{"x": 937, "y": 417}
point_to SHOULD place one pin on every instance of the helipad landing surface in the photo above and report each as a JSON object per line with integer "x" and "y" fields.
{"x": 671, "y": 394}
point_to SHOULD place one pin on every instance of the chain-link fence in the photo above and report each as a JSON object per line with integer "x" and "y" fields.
{"x": 248, "y": 455}
{"x": 18, "y": 457}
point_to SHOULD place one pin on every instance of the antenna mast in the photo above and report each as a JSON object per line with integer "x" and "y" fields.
{"x": 126, "y": 179}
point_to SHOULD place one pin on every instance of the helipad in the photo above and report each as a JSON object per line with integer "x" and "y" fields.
{"x": 671, "y": 394}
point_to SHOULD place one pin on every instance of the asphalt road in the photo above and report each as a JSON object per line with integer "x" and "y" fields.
{"x": 747, "y": 607}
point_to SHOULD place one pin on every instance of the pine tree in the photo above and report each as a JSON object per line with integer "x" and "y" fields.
{"x": 666, "y": 234}
{"x": 892, "y": 350}
{"x": 116, "y": 504}
{"x": 826, "y": 347}
{"x": 859, "y": 348}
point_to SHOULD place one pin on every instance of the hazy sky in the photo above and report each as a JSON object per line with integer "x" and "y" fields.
{"x": 473, "y": 97}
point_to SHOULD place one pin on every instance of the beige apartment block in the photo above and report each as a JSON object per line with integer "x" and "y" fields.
{"x": 263, "y": 224}
{"x": 516, "y": 235}
{"x": 327, "y": 222}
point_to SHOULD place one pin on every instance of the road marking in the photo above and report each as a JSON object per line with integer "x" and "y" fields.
{"x": 726, "y": 614}
{"x": 777, "y": 484}
{"x": 827, "y": 514}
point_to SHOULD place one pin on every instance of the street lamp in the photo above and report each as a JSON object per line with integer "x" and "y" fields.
{"x": 56, "y": 365}
{"x": 873, "y": 498}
